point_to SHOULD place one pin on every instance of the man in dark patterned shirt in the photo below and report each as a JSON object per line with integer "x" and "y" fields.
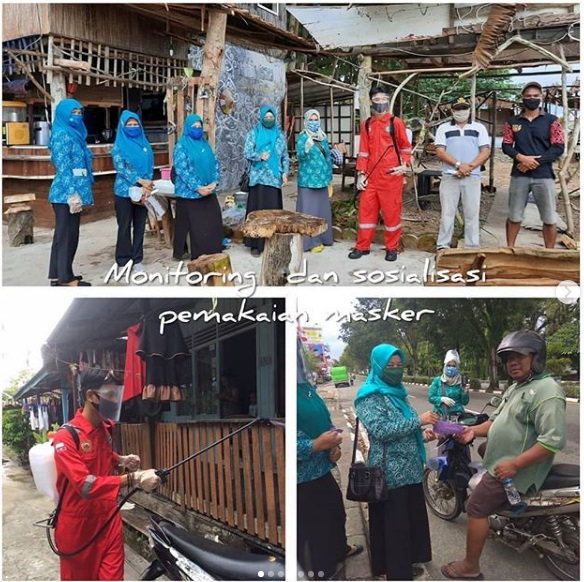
{"x": 534, "y": 139}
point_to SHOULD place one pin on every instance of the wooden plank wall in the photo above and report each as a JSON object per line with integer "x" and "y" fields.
{"x": 239, "y": 483}
{"x": 134, "y": 439}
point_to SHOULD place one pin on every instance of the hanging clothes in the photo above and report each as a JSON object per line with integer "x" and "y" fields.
{"x": 135, "y": 366}
{"x": 165, "y": 355}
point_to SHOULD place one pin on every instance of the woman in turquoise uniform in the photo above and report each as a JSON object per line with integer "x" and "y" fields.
{"x": 70, "y": 190}
{"x": 266, "y": 151}
{"x": 315, "y": 173}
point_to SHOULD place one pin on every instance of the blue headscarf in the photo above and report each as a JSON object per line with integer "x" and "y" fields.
{"x": 199, "y": 152}
{"x": 380, "y": 356}
{"x": 79, "y": 134}
{"x": 137, "y": 150}
{"x": 266, "y": 140}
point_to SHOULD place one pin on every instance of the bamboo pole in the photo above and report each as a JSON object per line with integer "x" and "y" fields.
{"x": 493, "y": 133}
{"x": 364, "y": 84}
{"x": 398, "y": 89}
{"x": 332, "y": 97}
{"x": 473, "y": 96}
{"x": 565, "y": 159}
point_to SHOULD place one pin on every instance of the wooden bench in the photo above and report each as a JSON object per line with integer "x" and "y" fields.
{"x": 20, "y": 219}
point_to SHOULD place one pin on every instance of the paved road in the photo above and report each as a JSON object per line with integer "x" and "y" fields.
{"x": 448, "y": 538}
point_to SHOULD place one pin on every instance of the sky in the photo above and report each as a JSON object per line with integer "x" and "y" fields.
{"x": 319, "y": 308}
{"x": 24, "y": 328}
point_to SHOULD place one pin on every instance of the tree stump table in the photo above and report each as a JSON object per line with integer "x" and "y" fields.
{"x": 283, "y": 230}
{"x": 20, "y": 219}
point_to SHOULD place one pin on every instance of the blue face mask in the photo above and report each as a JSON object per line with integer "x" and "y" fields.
{"x": 75, "y": 120}
{"x": 451, "y": 371}
{"x": 195, "y": 132}
{"x": 132, "y": 130}
{"x": 313, "y": 125}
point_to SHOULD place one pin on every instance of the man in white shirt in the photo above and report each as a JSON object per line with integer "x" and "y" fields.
{"x": 462, "y": 146}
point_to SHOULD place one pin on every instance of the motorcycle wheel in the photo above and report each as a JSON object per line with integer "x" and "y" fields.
{"x": 563, "y": 569}
{"x": 441, "y": 496}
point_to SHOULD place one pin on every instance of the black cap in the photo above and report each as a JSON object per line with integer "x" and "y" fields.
{"x": 375, "y": 90}
{"x": 531, "y": 84}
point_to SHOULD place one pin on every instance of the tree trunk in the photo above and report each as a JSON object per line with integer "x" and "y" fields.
{"x": 493, "y": 371}
{"x": 212, "y": 62}
{"x": 276, "y": 260}
{"x": 364, "y": 86}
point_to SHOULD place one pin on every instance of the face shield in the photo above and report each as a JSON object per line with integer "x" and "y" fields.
{"x": 110, "y": 401}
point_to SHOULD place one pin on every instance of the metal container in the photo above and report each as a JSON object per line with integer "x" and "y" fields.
{"x": 41, "y": 132}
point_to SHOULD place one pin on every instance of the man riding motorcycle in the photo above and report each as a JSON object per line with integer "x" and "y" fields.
{"x": 524, "y": 434}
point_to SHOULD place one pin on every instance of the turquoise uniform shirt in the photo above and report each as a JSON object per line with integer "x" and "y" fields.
{"x": 260, "y": 172}
{"x": 315, "y": 168}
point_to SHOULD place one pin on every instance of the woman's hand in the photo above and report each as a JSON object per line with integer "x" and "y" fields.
{"x": 146, "y": 184}
{"x": 326, "y": 441}
{"x": 447, "y": 401}
{"x": 204, "y": 191}
{"x": 284, "y": 179}
{"x": 264, "y": 156}
{"x": 429, "y": 418}
{"x": 212, "y": 186}
{"x": 429, "y": 435}
{"x": 335, "y": 454}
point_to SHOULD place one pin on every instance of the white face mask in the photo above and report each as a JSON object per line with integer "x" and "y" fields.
{"x": 461, "y": 116}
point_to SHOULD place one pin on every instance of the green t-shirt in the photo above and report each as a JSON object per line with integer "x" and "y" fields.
{"x": 531, "y": 413}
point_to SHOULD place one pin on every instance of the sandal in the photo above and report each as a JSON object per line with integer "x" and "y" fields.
{"x": 55, "y": 282}
{"x": 73, "y": 283}
{"x": 449, "y": 571}
{"x": 353, "y": 550}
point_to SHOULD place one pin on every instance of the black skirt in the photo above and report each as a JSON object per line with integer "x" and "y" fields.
{"x": 262, "y": 197}
{"x": 201, "y": 220}
{"x": 321, "y": 539}
{"x": 399, "y": 533}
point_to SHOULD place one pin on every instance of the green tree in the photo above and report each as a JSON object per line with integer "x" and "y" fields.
{"x": 16, "y": 383}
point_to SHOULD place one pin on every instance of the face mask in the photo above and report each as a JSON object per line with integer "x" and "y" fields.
{"x": 451, "y": 371}
{"x": 531, "y": 104}
{"x": 380, "y": 107}
{"x": 461, "y": 116}
{"x": 268, "y": 123}
{"x": 132, "y": 130}
{"x": 313, "y": 125}
{"x": 75, "y": 120}
{"x": 392, "y": 376}
{"x": 108, "y": 409}
{"x": 196, "y": 132}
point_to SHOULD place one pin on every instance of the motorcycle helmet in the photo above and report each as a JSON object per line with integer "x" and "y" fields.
{"x": 525, "y": 342}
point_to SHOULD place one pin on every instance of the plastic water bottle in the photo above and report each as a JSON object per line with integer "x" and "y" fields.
{"x": 512, "y": 494}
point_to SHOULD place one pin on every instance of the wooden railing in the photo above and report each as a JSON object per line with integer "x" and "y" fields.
{"x": 239, "y": 482}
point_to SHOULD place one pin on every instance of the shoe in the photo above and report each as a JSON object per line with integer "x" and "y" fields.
{"x": 353, "y": 550}
{"x": 139, "y": 268}
{"x": 317, "y": 249}
{"x": 255, "y": 252}
{"x": 357, "y": 254}
{"x": 79, "y": 284}
{"x": 391, "y": 255}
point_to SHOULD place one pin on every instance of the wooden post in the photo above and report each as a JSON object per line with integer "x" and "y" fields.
{"x": 213, "y": 53}
{"x": 332, "y": 115}
{"x": 493, "y": 133}
{"x": 219, "y": 264}
{"x": 364, "y": 84}
{"x": 171, "y": 121}
{"x": 473, "y": 95}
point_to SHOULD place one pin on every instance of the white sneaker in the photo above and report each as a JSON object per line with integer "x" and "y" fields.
{"x": 139, "y": 268}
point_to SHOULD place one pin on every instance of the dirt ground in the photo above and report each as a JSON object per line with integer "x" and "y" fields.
{"x": 419, "y": 222}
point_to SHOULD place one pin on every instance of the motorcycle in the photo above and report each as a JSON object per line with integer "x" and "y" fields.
{"x": 181, "y": 555}
{"x": 548, "y": 522}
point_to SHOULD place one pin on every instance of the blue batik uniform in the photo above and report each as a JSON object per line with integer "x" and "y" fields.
{"x": 315, "y": 168}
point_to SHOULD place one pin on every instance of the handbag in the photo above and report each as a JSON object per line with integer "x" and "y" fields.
{"x": 366, "y": 484}
{"x": 244, "y": 180}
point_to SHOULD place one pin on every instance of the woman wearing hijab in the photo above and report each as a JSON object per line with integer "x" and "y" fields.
{"x": 266, "y": 150}
{"x": 321, "y": 538}
{"x": 70, "y": 190}
{"x": 398, "y": 527}
{"x": 446, "y": 392}
{"x": 134, "y": 163}
{"x": 315, "y": 173}
{"x": 198, "y": 213}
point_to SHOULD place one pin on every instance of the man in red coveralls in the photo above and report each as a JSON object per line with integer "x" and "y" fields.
{"x": 90, "y": 497}
{"x": 380, "y": 175}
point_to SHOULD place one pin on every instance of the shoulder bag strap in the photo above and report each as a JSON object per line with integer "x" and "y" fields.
{"x": 355, "y": 441}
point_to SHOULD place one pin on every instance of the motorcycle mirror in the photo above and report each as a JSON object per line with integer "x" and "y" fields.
{"x": 495, "y": 401}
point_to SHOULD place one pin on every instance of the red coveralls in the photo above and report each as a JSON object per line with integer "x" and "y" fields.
{"x": 383, "y": 190}
{"x": 90, "y": 499}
